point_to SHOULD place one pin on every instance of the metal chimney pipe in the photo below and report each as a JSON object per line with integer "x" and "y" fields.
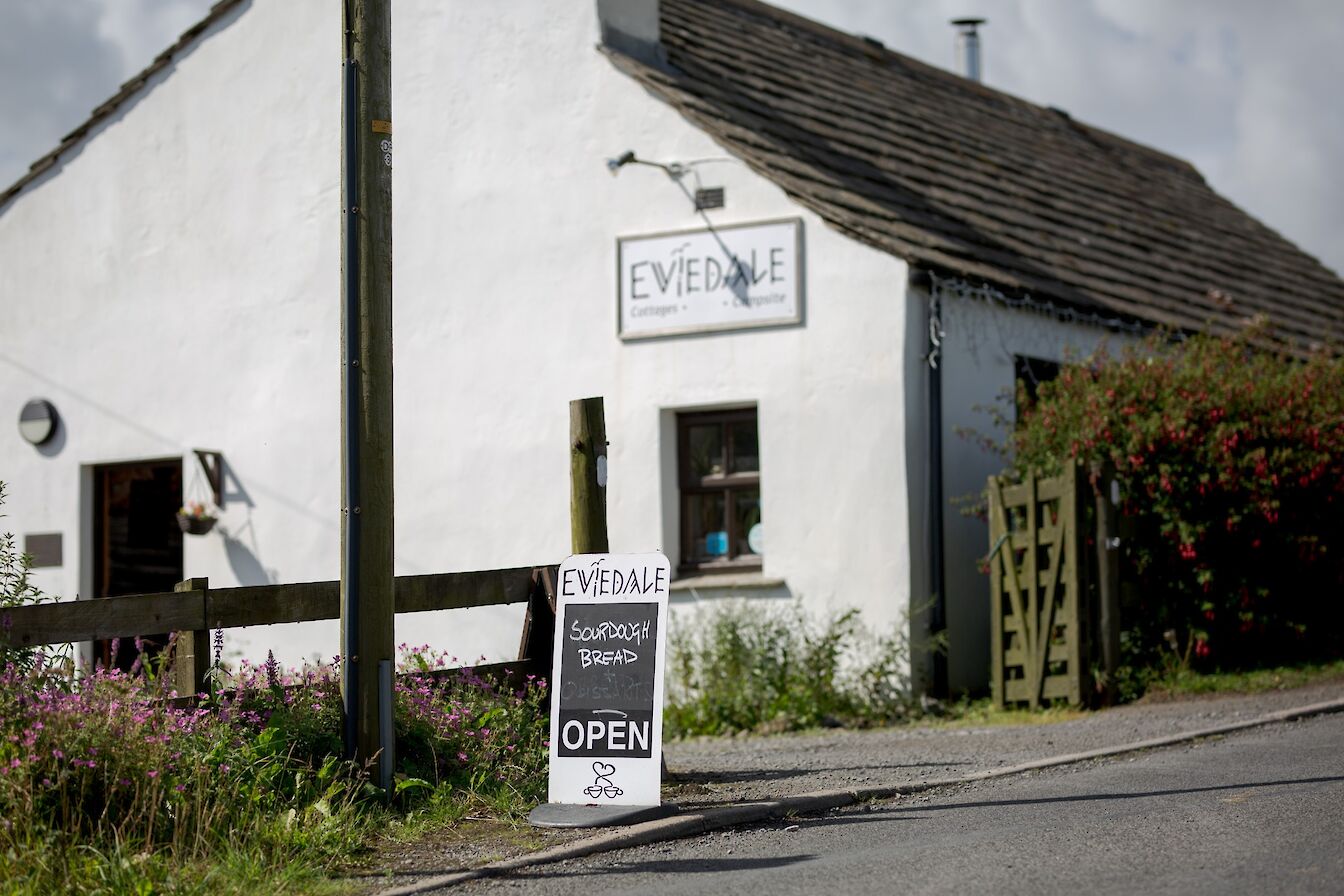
{"x": 968, "y": 46}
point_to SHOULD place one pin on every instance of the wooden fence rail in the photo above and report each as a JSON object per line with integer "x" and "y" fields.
{"x": 195, "y": 609}
{"x": 208, "y": 608}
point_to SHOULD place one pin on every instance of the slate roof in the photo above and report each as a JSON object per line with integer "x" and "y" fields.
{"x": 960, "y": 178}
{"x": 948, "y": 174}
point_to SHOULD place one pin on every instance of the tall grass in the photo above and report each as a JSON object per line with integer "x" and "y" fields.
{"x": 752, "y": 667}
{"x": 112, "y": 784}
{"x": 108, "y": 785}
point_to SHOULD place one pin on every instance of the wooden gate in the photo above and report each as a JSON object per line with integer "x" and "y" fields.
{"x": 1036, "y": 581}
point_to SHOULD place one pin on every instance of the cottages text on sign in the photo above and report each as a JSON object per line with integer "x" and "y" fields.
{"x": 607, "y": 683}
{"x": 723, "y": 278}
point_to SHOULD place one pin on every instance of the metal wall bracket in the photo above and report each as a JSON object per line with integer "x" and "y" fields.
{"x": 212, "y": 463}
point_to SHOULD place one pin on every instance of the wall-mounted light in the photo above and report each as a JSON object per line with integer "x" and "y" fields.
{"x": 674, "y": 170}
{"x": 38, "y": 421}
{"x": 702, "y": 198}
{"x": 625, "y": 158}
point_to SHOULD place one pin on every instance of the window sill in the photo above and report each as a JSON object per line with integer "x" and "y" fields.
{"x": 725, "y": 580}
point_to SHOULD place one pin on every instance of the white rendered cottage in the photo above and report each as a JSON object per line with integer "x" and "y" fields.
{"x": 170, "y": 277}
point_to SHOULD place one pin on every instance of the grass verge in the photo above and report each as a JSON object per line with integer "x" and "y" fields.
{"x": 1180, "y": 683}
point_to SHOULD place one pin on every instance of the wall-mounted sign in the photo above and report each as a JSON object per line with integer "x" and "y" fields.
{"x": 607, "y": 682}
{"x": 723, "y": 278}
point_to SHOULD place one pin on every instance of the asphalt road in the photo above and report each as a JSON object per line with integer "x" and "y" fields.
{"x": 1257, "y": 812}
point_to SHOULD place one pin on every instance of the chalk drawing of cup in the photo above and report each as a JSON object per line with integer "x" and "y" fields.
{"x": 602, "y": 784}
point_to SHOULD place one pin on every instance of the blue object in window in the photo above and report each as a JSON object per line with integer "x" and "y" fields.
{"x": 716, "y": 543}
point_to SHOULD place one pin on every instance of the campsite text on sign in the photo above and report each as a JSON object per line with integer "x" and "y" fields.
{"x": 606, "y": 691}
{"x": 745, "y": 275}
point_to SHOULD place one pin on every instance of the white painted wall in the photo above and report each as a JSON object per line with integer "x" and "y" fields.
{"x": 175, "y": 284}
{"x": 172, "y": 285}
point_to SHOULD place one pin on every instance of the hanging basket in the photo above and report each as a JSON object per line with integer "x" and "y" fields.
{"x": 195, "y": 525}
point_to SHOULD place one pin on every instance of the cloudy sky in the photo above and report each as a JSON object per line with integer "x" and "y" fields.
{"x": 1247, "y": 90}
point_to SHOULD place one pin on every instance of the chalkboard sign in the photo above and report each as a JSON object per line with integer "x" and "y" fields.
{"x": 607, "y": 684}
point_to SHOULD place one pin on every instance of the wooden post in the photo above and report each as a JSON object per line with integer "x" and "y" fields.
{"x": 588, "y": 482}
{"x": 1108, "y": 577}
{"x": 999, "y": 543}
{"x": 366, "y": 408}
{"x": 588, "y": 476}
{"x": 191, "y": 653}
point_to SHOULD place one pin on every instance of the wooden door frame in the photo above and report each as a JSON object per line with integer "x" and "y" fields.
{"x": 98, "y": 555}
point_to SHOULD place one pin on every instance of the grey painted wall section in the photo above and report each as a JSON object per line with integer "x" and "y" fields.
{"x": 979, "y": 346}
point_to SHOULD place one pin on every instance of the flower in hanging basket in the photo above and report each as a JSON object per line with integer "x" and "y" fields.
{"x": 195, "y": 519}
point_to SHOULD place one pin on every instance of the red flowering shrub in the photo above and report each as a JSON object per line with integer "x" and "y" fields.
{"x": 1231, "y": 462}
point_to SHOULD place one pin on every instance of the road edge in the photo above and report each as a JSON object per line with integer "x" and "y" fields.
{"x": 694, "y": 823}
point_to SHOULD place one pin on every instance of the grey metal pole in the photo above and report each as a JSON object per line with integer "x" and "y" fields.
{"x": 350, "y": 418}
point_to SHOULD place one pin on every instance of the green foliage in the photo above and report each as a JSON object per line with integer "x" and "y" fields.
{"x": 1182, "y": 682}
{"x": 16, "y": 590}
{"x": 107, "y": 785}
{"x": 749, "y": 667}
{"x": 459, "y": 733}
{"x": 1231, "y": 462}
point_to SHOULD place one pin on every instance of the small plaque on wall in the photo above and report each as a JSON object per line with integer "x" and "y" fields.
{"x": 44, "y": 549}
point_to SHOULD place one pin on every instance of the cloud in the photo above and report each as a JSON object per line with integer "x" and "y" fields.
{"x": 142, "y": 29}
{"x": 1243, "y": 89}
{"x": 55, "y": 68}
{"x": 58, "y": 60}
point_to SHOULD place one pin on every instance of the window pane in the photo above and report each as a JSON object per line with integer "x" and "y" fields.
{"x": 749, "y": 532}
{"x": 708, "y": 539}
{"x": 746, "y": 456}
{"x": 705, "y": 444}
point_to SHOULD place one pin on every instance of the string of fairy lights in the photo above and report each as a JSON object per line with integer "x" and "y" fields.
{"x": 942, "y": 287}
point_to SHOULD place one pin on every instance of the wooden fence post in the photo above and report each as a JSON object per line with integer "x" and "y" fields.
{"x": 999, "y": 540}
{"x": 191, "y": 653}
{"x": 1108, "y": 576}
{"x": 588, "y": 476}
{"x": 588, "y": 483}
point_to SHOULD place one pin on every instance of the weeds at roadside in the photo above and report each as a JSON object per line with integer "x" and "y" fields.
{"x": 108, "y": 786}
{"x": 748, "y": 667}
{"x": 981, "y": 712}
{"x": 1186, "y": 682}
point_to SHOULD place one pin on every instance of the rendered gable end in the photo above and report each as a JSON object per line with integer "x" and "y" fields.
{"x": 175, "y": 284}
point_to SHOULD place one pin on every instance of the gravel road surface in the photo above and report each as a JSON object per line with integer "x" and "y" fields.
{"x": 710, "y": 772}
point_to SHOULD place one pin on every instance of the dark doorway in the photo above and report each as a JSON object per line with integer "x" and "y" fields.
{"x": 138, "y": 542}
